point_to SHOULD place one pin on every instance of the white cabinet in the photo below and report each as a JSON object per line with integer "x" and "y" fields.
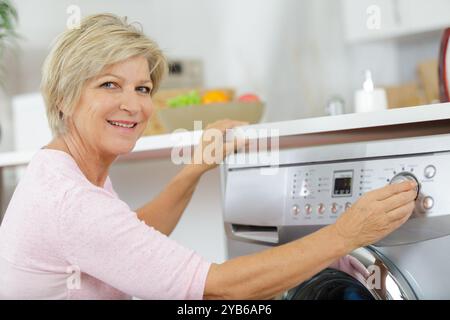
{"x": 420, "y": 15}
{"x": 381, "y": 19}
{"x": 359, "y": 15}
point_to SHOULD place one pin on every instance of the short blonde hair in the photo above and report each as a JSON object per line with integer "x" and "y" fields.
{"x": 80, "y": 54}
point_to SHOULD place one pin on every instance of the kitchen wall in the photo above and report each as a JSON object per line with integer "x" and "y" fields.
{"x": 290, "y": 52}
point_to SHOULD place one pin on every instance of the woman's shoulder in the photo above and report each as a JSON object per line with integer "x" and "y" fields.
{"x": 54, "y": 164}
{"x": 60, "y": 165}
{"x": 58, "y": 169}
{"x": 54, "y": 183}
{"x": 54, "y": 176}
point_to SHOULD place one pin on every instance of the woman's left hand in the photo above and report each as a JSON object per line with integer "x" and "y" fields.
{"x": 351, "y": 266}
{"x": 216, "y": 143}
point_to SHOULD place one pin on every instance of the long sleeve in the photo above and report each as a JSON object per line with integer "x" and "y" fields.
{"x": 103, "y": 238}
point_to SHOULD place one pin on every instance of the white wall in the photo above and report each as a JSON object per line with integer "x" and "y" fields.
{"x": 291, "y": 52}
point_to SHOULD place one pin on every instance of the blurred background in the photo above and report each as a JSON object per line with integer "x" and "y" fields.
{"x": 295, "y": 54}
{"x": 296, "y": 58}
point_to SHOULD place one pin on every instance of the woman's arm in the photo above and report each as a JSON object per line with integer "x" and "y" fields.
{"x": 101, "y": 236}
{"x": 268, "y": 273}
{"x": 164, "y": 212}
{"x": 271, "y": 272}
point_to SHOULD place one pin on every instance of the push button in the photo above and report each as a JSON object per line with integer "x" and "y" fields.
{"x": 430, "y": 172}
{"x": 321, "y": 208}
{"x": 334, "y": 207}
{"x": 428, "y": 203}
{"x": 308, "y": 209}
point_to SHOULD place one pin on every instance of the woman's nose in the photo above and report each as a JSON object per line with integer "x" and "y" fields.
{"x": 131, "y": 103}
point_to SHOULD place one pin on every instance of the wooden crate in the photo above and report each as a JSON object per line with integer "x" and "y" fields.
{"x": 159, "y": 102}
{"x": 404, "y": 95}
{"x": 429, "y": 80}
{"x": 160, "y": 99}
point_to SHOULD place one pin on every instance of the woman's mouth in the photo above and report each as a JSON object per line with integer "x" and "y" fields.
{"x": 123, "y": 124}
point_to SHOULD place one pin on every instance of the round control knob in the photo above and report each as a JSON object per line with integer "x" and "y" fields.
{"x": 308, "y": 209}
{"x": 406, "y": 176}
{"x": 430, "y": 171}
{"x": 348, "y": 205}
{"x": 428, "y": 203}
{"x": 321, "y": 208}
{"x": 295, "y": 210}
{"x": 334, "y": 207}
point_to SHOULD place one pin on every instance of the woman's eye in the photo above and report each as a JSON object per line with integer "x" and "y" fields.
{"x": 145, "y": 90}
{"x": 109, "y": 85}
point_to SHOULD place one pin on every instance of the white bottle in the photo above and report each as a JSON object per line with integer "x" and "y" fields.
{"x": 370, "y": 99}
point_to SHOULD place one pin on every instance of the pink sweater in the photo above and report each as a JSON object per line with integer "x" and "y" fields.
{"x": 65, "y": 238}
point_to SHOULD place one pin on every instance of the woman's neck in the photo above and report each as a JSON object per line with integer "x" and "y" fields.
{"x": 92, "y": 164}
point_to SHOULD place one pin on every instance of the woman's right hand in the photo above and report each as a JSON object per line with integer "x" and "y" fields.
{"x": 376, "y": 214}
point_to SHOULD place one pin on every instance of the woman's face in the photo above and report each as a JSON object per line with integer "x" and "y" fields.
{"x": 114, "y": 107}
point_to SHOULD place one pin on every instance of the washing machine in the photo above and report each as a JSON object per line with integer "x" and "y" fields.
{"x": 308, "y": 188}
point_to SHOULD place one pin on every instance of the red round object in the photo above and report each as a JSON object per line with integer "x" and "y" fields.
{"x": 249, "y": 97}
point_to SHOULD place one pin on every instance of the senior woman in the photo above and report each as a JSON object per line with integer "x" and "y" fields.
{"x": 65, "y": 219}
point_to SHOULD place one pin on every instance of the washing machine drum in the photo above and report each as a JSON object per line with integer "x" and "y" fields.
{"x": 385, "y": 283}
{"x": 331, "y": 285}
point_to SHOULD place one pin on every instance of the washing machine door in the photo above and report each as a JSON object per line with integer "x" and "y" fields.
{"x": 384, "y": 283}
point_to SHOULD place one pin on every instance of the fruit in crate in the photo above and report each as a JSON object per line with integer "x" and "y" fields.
{"x": 215, "y": 96}
{"x": 181, "y": 108}
{"x": 249, "y": 97}
{"x": 189, "y": 99}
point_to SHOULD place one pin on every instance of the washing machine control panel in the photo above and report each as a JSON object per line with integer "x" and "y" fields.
{"x": 317, "y": 194}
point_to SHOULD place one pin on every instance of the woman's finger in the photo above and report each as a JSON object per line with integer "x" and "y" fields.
{"x": 398, "y": 200}
{"x": 401, "y": 213}
{"x": 392, "y": 189}
{"x": 399, "y": 222}
{"x": 225, "y": 124}
{"x": 359, "y": 267}
{"x": 233, "y": 146}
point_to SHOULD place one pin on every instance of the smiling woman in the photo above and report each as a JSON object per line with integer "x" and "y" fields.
{"x": 66, "y": 233}
{"x": 65, "y": 216}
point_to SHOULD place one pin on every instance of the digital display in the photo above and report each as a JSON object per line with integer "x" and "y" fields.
{"x": 342, "y": 183}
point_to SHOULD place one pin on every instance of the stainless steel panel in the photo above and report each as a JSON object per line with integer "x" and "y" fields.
{"x": 313, "y": 187}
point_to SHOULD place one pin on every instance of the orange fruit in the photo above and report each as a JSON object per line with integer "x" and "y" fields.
{"x": 215, "y": 96}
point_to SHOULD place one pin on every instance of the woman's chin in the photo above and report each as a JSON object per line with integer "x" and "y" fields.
{"x": 119, "y": 145}
{"x": 121, "y": 149}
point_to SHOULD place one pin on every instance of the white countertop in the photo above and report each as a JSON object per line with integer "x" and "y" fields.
{"x": 351, "y": 121}
{"x": 159, "y": 146}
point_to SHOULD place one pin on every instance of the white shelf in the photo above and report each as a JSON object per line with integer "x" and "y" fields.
{"x": 11, "y": 159}
{"x": 146, "y": 147}
{"x": 153, "y": 147}
{"x": 353, "y": 121}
